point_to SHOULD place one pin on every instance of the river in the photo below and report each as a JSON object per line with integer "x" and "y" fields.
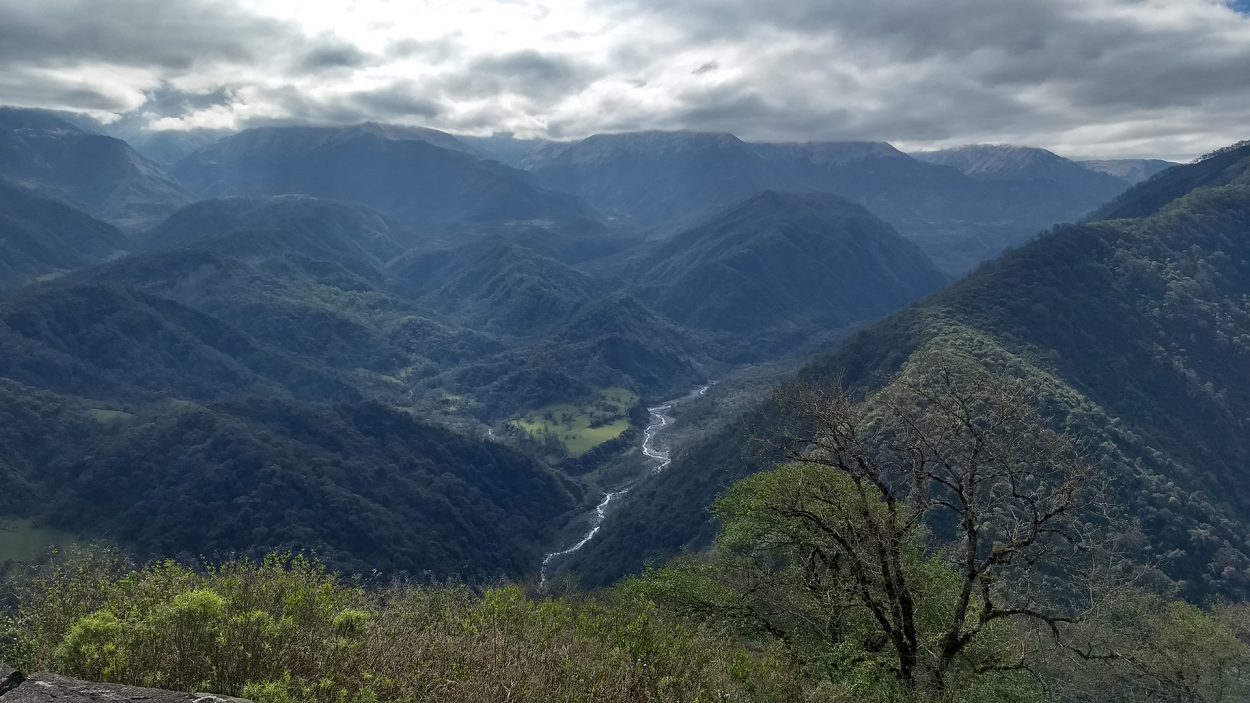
{"x": 659, "y": 422}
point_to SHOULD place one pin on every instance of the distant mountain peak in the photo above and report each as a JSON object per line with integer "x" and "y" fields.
{"x": 412, "y": 173}
{"x": 1227, "y": 166}
{"x": 38, "y": 121}
{"x": 653, "y": 142}
{"x": 993, "y": 160}
{"x": 1027, "y": 166}
{"x": 835, "y": 152}
{"x": 1131, "y": 171}
{"x": 316, "y": 136}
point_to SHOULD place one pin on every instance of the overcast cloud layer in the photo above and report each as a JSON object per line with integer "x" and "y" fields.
{"x": 1168, "y": 78}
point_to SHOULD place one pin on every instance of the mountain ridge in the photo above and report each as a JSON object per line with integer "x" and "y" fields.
{"x": 380, "y": 167}
{"x": 101, "y": 175}
{"x": 831, "y": 259}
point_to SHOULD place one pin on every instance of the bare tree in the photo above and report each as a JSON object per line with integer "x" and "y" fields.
{"x": 954, "y": 466}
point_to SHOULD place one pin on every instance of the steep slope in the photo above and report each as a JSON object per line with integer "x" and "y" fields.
{"x": 1130, "y": 171}
{"x": 496, "y": 284}
{"x": 586, "y": 244}
{"x": 653, "y": 178}
{"x": 567, "y": 334}
{"x": 608, "y": 342}
{"x": 619, "y": 334}
{"x": 40, "y": 238}
{"x": 106, "y": 341}
{"x": 361, "y": 486}
{"x": 315, "y": 293}
{"x": 420, "y": 176}
{"x": 1138, "y": 327}
{"x": 785, "y": 261}
{"x": 100, "y": 175}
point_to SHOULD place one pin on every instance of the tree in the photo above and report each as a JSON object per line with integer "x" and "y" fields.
{"x": 915, "y": 531}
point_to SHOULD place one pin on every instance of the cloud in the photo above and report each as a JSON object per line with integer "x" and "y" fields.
{"x": 527, "y": 72}
{"x": 333, "y": 55}
{"x": 1084, "y": 77}
{"x": 136, "y": 33}
{"x": 400, "y": 99}
{"x": 926, "y": 73}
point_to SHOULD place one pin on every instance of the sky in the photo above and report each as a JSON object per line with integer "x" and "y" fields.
{"x": 1089, "y": 78}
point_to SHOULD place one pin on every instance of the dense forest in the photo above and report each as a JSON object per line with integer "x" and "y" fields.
{"x": 1139, "y": 324}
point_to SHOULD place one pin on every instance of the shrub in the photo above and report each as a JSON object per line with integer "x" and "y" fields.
{"x": 286, "y": 630}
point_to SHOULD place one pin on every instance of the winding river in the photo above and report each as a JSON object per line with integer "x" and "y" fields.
{"x": 659, "y": 422}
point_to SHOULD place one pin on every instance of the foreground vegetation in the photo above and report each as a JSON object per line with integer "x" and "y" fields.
{"x": 286, "y": 630}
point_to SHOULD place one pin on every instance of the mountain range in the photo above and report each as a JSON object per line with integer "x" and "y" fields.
{"x": 666, "y": 181}
{"x": 361, "y": 341}
{"x": 423, "y": 177}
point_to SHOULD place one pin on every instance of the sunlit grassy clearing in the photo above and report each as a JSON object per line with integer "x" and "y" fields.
{"x": 105, "y": 415}
{"x": 22, "y": 541}
{"x": 581, "y": 428}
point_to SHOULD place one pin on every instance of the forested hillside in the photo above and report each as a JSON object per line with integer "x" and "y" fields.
{"x": 272, "y": 363}
{"x": 45, "y": 238}
{"x": 776, "y": 264}
{"x": 169, "y": 412}
{"x": 1138, "y": 325}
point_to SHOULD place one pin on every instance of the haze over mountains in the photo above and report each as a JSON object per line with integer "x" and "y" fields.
{"x": 46, "y": 237}
{"x": 99, "y": 174}
{"x": 383, "y": 323}
{"x": 418, "y": 175}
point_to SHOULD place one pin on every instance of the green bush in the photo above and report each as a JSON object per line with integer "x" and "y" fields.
{"x": 93, "y": 646}
{"x": 287, "y": 630}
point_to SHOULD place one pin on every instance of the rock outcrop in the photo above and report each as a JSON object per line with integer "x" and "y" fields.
{"x": 15, "y": 687}
{"x": 9, "y": 678}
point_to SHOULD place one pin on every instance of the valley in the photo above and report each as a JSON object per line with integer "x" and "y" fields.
{"x": 660, "y": 460}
